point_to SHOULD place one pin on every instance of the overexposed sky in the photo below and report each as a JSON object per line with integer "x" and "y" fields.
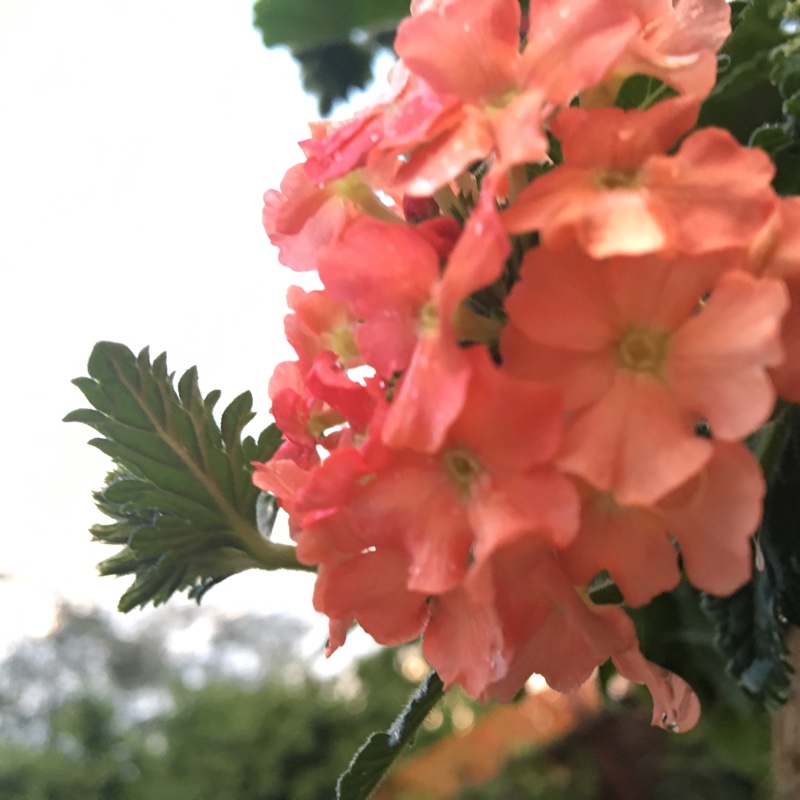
{"x": 136, "y": 140}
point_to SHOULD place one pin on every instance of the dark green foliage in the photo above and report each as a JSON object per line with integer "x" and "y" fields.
{"x": 617, "y": 756}
{"x": 603, "y": 591}
{"x": 779, "y": 537}
{"x": 757, "y": 97}
{"x": 181, "y": 497}
{"x": 745, "y": 98}
{"x": 752, "y": 623}
{"x": 382, "y": 749}
{"x": 675, "y": 633}
{"x": 330, "y": 72}
{"x": 281, "y": 735}
{"x": 752, "y": 637}
{"x": 334, "y": 43}
{"x": 641, "y": 91}
{"x": 301, "y": 24}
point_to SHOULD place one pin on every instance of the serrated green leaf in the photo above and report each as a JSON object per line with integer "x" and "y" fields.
{"x": 93, "y": 393}
{"x": 182, "y": 496}
{"x": 189, "y": 390}
{"x": 123, "y": 563}
{"x": 751, "y": 636}
{"x": 139, "y": 496}
{"x": 380, "y": 751}
{"x": 146, "y": 443}
{"x": 153, "y": 584}
{"x": 235, "y": 417}
{"x": 269, "y": 441}
{"x": 163, "y": 476}
{"x": 149, "y": 386}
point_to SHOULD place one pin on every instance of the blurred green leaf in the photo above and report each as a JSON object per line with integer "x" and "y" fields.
{"x": 603, "y": 591}
{"x": 751, "y": 635}
{"x": 379, "y": 752}
{"x": 745, "y": 98}
{"x": 334, "y": 43}
{"x": 181, "y": 497}
{"x": 303, "y": 24}
{"x": 640, "y": 91}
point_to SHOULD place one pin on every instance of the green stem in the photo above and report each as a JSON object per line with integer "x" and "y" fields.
{"x": 271, "y": 555}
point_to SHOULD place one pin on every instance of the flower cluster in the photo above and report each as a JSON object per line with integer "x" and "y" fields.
{"x": 547, "y": 325}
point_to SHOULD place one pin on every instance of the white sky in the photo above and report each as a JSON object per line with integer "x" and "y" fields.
{"x": 136, "y": 140}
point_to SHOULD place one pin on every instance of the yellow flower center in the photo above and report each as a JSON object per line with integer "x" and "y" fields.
{"x": 612, "y": 179}
{"x": 321, "y": 421}
{"x": 462, "y": 468}
{"x": 643, "y": 350}
{"x": 428, "y": 319}
{"x": 342, "y": 342}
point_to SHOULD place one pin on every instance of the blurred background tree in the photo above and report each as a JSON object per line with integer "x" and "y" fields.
{"x": 89, "y": 712}
{"x": 234, "y": 711}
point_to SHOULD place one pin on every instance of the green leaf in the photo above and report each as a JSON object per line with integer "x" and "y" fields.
{"x": 751, "y": 635}
{"x": 778, "y": 538}
{"x": 379, "y": 752}
{"x": 303, "y": 24}
{"x": 745, "y": 97}
{"x": 330, "y": 72}
{"x": 603, "y": 591}
{"x": 181, "y": 497}
{"x": 782, "y": 145}
{"x": 334, "y": 43}
{"x": 751, "y": 624}
{"x": 641, "y": 91}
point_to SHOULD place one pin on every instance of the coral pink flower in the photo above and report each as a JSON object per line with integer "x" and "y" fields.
{"x": 485, "y": 95}
{"x": 303, "y": 217}
{"x": 643, "y": 358}
{"x": 517, "y": 613}
{"x": 317, "y": 324}
{"x": 337, "y": 148}
{"x": 307, "y": 404}
{"x": 488, "y": 484}
{"x": 371, "y": 588}
{"x": 782, "y": 260}
{"x": 678, "y": 44}
{"x": 357, "y": 513}
{"x": 712, "y": 518}
{"x": 617, "y": 193}
{"x": 389, "y": 276}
